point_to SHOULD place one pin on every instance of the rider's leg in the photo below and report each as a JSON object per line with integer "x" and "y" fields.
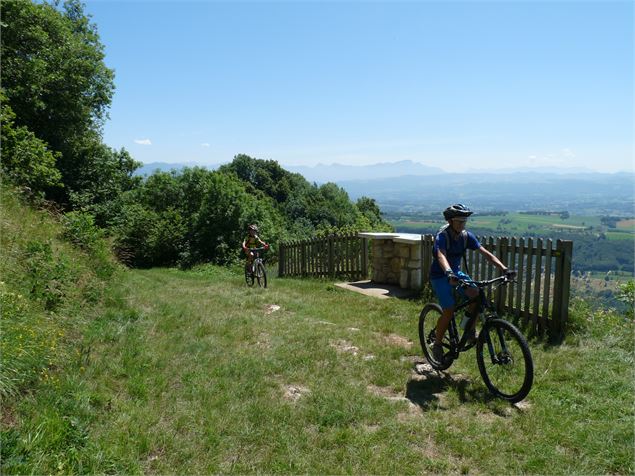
{"x": 250, "y": 259}
{"x": 443, "y": 290}
{"x": 442, "y": 324}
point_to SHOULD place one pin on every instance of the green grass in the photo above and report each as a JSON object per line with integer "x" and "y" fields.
{"x": 192, "y": 372}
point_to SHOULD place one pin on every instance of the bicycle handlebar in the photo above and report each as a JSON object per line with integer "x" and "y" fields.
{"x": 504, "y": 279}
{"x": 262, "y": 248}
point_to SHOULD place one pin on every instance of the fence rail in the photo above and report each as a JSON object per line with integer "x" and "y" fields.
{"x": 539, "y": 298}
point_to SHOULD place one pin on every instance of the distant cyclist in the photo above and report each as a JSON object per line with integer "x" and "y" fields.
{"x": 252, "y": 241}
{"x": 450, "y": 245}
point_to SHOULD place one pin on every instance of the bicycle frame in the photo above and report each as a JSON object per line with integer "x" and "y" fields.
{"x": 257, "y": 258}
{"x": 458, "y": 344}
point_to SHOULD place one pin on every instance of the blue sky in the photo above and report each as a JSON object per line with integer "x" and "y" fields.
{"x": 456, "y": 85}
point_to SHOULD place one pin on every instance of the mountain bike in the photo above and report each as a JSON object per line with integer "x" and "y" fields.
{"x": 256, "y": 272}
{"x": 502, "y": 352}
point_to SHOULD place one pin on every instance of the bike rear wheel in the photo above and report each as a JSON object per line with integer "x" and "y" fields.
{"x": 427, "y": 328}
{"x": 504, "y": 360}
{"x": 261, "y": 275}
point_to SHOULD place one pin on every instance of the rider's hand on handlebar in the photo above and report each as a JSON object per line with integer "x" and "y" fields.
{"x": 452, "y": 278}
{"x": 266, "y": 246}
{"x": 510, "y": 274}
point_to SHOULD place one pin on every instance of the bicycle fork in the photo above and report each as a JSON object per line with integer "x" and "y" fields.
{"x": 503, "y": 355}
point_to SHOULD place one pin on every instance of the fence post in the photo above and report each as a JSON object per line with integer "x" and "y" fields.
{"x": 303, "y": 258}
{"x": 502, "y": 256}
{"x": 331, "y": 264}
{"x": 564, "y": 249}
{"x": 281, "y": 260}
{"x": 364, "y": 258}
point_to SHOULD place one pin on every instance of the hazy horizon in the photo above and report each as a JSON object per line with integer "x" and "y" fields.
{"x": 511, "y": 169}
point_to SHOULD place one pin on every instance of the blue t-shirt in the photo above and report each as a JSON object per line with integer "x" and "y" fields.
{"x": 454, "y": 252}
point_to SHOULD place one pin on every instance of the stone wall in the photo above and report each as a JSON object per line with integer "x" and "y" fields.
{"x": 396, "y": 263}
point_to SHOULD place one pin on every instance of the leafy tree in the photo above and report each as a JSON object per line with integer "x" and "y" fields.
{"x": 217, "y": 226}
{"x": 148, "y": 238}
{"x": 56, "y": 81}
{"x": 26, "y": 160}
{"x": 371, "y": 212}
{"x": 103, "y": 176}
{"x": 264, "y": 175}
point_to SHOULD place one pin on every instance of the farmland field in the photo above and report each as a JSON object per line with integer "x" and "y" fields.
{"x": 519, "y": 223}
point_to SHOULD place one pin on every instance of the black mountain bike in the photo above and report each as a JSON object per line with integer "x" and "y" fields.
{"x": 502, "y": 353}
{"x": 256, "y": 272}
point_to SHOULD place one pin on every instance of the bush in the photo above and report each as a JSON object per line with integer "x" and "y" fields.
{"x": 26, "y": 160}
{"x": 49, "y": 276}
{"x": 80, "y": 229}
{"x": 626, "y": 295}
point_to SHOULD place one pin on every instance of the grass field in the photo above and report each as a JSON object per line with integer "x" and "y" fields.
{"x": 193, "y": 372}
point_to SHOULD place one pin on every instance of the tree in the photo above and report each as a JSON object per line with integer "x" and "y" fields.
{"x": 370, "y": 210}
{"x": 55, "y": 80}
{"x": 217, "y": 228}
{"x": 26, "y": 160}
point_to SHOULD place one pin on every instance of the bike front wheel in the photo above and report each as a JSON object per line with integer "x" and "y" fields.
{"x": 261, "y": 275}
{"x": 504, "y": 360}
{"x": 249, "y": 276}
{"x": 427, "y": 328}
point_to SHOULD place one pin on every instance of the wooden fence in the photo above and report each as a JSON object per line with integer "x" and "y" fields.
{"x": 342, "y": 256}
{"x": 539, "y": 299}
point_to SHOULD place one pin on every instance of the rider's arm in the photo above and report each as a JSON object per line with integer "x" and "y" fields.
{"x": 245, "y": 244}
{"x": 260, "y": 241}
{"x": 445, "y": 266}
{"x": 492, "y": 259}
{"x": 443, "y": 260}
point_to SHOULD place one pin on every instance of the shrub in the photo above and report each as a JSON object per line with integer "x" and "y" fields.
{"x": 26, "y": 160}
{"x": 626, "y": 295}
{"x": 80, "y": 229}
{"x": 49, "y": 276}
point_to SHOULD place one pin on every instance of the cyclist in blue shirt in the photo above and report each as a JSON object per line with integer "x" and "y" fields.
{"x": 450, "y": 245}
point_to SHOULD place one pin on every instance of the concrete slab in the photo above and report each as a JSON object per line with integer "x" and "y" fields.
{"x": 408, "y": 238}
{"x": 381, "y": 291}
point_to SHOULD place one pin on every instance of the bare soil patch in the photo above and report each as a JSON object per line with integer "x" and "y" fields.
{"x": 293, "y": 393}
{"x": 271, "y": 308}
{"x": 395, "y": 339}
{"x": 344, "y": 346}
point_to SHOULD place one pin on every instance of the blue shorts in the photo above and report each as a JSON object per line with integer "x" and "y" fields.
{"x": 445, "y": 291}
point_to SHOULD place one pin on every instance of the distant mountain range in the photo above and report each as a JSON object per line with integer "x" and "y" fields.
{"x": 323, "y": 173}
{"x": 410, "y": 185}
